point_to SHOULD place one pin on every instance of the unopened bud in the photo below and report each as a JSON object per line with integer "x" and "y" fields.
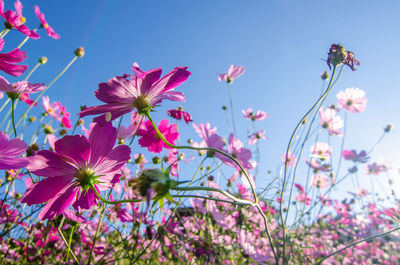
{"x": 224, "y": 107}
{"x": 190, "y": 141}
{"x": 63, "y": 132}
{"x": 80, "y": 122}
{"x": 156, "y": 160}
{"x": 32, "y": 119}
{"x": 388, "y": 128}
{"x": 48, "y": 129}
{"x": 83, "y": 107}
{"x": 43, "y": 60}
{"x": 325, "y": 75}
{"x": 80, "y": 52}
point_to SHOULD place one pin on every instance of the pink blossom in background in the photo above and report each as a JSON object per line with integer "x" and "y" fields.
{"x": 317, "y": 165}
{"x": 352, "y": 99}
{"x": 10, "y": 152}
{"x": 140, "y": 160}
{"x": 204, "y": 129}
{"x": 382, "y": 165}
{"x": 67, "y": 171}
{"x": 20, "y": 87}
{"x": 321, "y": 151}
{"x": 320, "y": 181}
{"x": 303, "y": 198}
{"x": 352, "y": 155}
{"x": 254, "y": 137}
{"x": 179, "y": 114}
{"x": 341, "y": 208}
{"x": 16, "y": 20}
{"x": 330, "y": 121}
{"x": 125, "y": 132}
{"x": 209, "y": 135}
{"x": 236, "y": 150}
{"x": 57, "y": 111}
{"x": 362, "y": 192}
{"x": 258, "y": 116}
{"x": 143, "y": 91}
{"x": 234, "y": 72}
{"x": 150, "y": 139}
{"x": 45, "y": 25}
{"x": 24, "y": 97}
{"x": 291, "y": 159}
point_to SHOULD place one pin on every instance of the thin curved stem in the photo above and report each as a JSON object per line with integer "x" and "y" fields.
{"x": 95, "y": 235}
{"x": 69, "y": 242}
{"x": 5, "y": 104}
{"x": 32, "y": 71}
{"x": 287, "y": 159}
{"x": 66, "y": 244}
{"x": 231, "y": 105}
{"x": 12, "y": 117}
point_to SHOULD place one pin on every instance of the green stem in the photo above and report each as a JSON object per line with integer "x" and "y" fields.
{"x": 231, "y": 105}
{"x": 202, "y": 149}
{"x": 95, "y": 235}
{"x": 12, "y": 117}
{"x": 112, "y": 202}
{"x": 44, "y": 90}
{"x": 137, "y": 128}
{"x": 69, "y": 242}
{"x": 356, "y": 243}
{"x": 287, "y": 158}
{"x": 66, "y": 243}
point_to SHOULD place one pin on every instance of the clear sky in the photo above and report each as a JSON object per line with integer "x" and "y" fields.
{"x": 282, "y": 44}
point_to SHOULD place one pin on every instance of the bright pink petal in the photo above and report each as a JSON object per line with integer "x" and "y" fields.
{"x": 102, "y": 140}
{"x": 76, "y": 147}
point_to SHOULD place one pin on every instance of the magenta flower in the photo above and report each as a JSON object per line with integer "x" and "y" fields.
{"x": 236, "y": 150}
{"x": 352, "y": 99}
{"x": 57, "y": 111}
{"x": 150, "y": 139}
{"x": 256, "y": 136}
{"x": 8, "y": 60}
{"x": 45, "y": 25}
{"x": 330, "y": 121}
{"x": 24, "y": 97}
{"x": 142, "y": 92}
{"x": 125, "y": 132}
{"x": 179, "y": 114}
{"x": 234, "y": 72}
{"x": 76, "y": 164}
{"x": 16, "y": 20}
{"x": 18, "y": 88}
{"x": 10, "y": 150}
{"x": 258, "y": 116}
{"x": 361, "y": 157}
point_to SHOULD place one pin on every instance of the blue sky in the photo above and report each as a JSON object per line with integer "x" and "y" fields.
{"x": 282, "y": 44}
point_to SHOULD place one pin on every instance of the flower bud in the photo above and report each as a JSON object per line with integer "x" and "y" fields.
{"x": 32, "y": 119}
{"x": 47, "y": 129}
{"x": 224, "y": 107}
{"x": 388, "y": 128}
{"x": 325, "y": 75}
{"x": 156, "y": 160}
{"x": 63, "y": 132}
{"x": 43, "y": 60}
{"x": 151, "y": 178}
{"x": 80, "y": 52}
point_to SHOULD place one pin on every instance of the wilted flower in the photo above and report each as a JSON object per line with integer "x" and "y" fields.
{"x": 179, "y": 114}
{"x": 338, "y": 55}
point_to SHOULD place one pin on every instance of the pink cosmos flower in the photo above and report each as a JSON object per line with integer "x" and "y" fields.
{"x": 236, "y": 150}
{"x": 20, "y": 87}
{"x": 76, "y": 162}
{"x": 57, "y": 111}
{"x": 16, "y": 20}
{"x": 142, "y": 92}
{"x": 258, "y": 116}
{"x": 45, "y": 25}
{"x": 362, "y": 192}
{"x": 8, "y": 60}
{"x": 320, "y": 181}
{"x": 361, "y": 157}
{"x": 291, "y": 159}
{"x": 179, "y": 114}
{"x": 24, "y": 97}
{"x": 303, "y": 198}
{"x": 209, "y": 135}
{"x": 125, "y": 132}
{"x": 150, "y": 139}
{"x": 317, "y": 165}
{"x": 256, "y": 136}
{"x": 234, "y": 72}
{"x": 140, "y": 160}
{"x": 352, "y": 99}
{"x": 10, "y": 150}
{"x": 382, "y": 165}
{"x": 321, "y": 151}
{"x": 330, "y": 121}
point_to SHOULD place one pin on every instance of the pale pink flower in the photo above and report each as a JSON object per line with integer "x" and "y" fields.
{"x": 234, "y": 72}
{"x": 256, "y": 136}
{"x": 258, "y": 116}
{"x": 362, "y": 192}
{"x": 317, "y": 165}
{"x": 125, "y": 132}
{"x": 321, "y": 151}
{"x": 20, "y": 87}
{"x": 330, "y": 121}
{"x": 352, "y": 99}
{"x": 236, "y": 150}
{"x": 320, "y": 181}
{"x": 291, "y": 159}
{"x": 303, "y": 198}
